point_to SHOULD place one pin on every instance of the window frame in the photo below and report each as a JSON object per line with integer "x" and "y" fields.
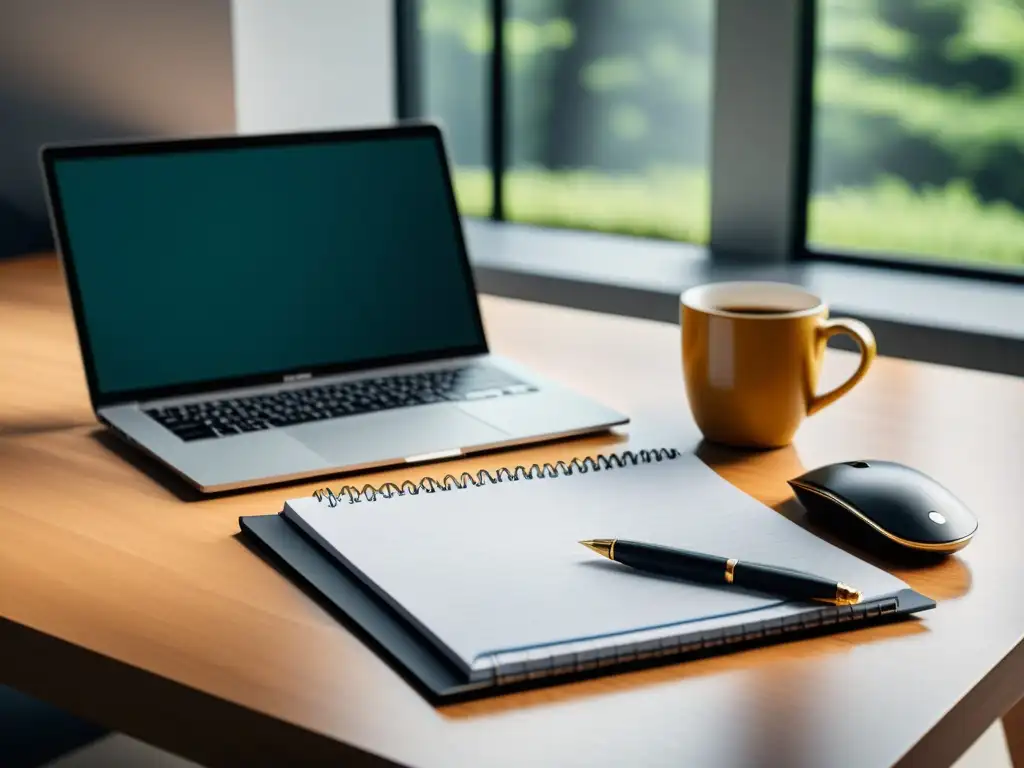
{"x": 808, "y": 61}
{"x": 776, "y": 194}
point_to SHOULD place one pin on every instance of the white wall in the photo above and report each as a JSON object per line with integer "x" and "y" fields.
{"x": 313, "y": 64}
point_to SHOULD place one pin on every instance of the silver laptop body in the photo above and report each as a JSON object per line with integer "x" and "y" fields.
{"x": 257, "y": 309}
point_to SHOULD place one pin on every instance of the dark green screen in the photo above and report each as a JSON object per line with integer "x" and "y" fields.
{"x": 219, "y": 263}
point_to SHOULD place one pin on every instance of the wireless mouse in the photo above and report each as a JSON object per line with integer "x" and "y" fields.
{"x": 885, "y": 506}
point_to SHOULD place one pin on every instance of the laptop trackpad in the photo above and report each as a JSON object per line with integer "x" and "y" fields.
{"x": 397, "y": 434}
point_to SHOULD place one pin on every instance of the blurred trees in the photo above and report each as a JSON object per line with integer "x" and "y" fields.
{"x": 629, "y": 91}
{"x": 454, "y": 42}
{"x": 927, "y": 91}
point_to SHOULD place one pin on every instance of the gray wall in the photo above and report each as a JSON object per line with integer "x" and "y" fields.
{"x": 93, "y": 69}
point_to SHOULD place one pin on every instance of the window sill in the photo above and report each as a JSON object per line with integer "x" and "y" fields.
{"x": 970, "y": 323}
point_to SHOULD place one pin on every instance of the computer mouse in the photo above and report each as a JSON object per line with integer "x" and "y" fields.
{"x": 886, "y": 506}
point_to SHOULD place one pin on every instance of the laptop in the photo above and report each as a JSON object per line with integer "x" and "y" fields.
{"x": 257, "y": 309}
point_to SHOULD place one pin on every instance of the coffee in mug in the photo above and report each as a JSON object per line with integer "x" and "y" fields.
{"x": 752, "y": 354}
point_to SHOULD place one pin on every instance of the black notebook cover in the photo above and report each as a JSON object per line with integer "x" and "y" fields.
{"x": 435, "y": 678}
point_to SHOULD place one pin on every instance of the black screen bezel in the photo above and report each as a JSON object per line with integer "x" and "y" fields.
{"x": 52, "y": 154}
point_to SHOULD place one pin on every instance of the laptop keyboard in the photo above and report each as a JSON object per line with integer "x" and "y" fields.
{"x": 222, "y": 418}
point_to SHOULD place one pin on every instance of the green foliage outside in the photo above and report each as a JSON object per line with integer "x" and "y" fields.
{"x": 919, "y": 120}
{"x": 919, "y": 129}
{"x": 667, "y": 205}
{"x": 890, "y": 217}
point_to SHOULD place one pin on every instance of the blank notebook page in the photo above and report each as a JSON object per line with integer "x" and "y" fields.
{"x": 498, "y": 568}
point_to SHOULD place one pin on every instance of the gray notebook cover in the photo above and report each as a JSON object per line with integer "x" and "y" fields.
{"x": 493, "y": 580}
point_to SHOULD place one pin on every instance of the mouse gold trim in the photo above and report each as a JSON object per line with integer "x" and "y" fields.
{"x": 945, "y": 547}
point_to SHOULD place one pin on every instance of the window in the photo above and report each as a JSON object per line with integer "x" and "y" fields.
{"x": 918, "y": 143}
{"x": 603, "y": 110}
{"x": 452, "y": 41}
{"x": 606, "y": 109}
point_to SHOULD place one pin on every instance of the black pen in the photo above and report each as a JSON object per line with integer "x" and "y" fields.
{"x": 709, "y": 569}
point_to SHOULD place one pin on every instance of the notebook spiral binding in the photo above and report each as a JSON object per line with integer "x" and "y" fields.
{"x": 534, "y": 472}
{"x": 505, "y": 668}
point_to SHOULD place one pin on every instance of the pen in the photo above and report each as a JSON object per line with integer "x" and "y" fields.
{"x": 709, "y": 569}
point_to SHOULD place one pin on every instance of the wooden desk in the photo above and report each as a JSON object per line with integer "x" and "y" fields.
{"x": 128, "y": 601}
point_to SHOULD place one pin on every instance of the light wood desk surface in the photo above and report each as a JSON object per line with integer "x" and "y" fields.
{"x": 128, "y": 601}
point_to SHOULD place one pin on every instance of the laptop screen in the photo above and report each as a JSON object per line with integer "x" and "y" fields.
{"x": 229, "y": 260}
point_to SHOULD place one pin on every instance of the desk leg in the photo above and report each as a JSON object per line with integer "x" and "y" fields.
{"x": 1013, "y": 724}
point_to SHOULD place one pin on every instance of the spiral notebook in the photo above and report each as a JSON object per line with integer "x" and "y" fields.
{"x": 484, "y": 575}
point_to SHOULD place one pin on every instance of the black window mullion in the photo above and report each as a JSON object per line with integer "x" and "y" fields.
{"x": 804, "y": 125}
{"x": 408, "y": 59}
{"x": 498, "y": 110}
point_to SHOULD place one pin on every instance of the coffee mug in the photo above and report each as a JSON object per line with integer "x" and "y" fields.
{"x": 752, "y": 353}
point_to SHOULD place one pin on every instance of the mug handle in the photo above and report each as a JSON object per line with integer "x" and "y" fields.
{"x": 865, "y": 341}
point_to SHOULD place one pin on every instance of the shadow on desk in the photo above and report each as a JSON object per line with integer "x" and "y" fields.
{"x": 150, "y": 467}
{"x": 574, "y": 447}
{"x": 765, "y": 659}
{"x": 11, "y": 427}
{"x": 587, "y": 684}
{"x": 939, "y": 577}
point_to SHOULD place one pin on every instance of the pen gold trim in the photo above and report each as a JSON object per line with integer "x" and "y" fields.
{"x": 946, "y": 546}
{"x": 730, "y": 570}
{"x": 846, "y": 595}
{"x": 603, "y": 547}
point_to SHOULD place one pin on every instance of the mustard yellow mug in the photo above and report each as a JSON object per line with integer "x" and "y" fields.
{"x": 752, "y": 353}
